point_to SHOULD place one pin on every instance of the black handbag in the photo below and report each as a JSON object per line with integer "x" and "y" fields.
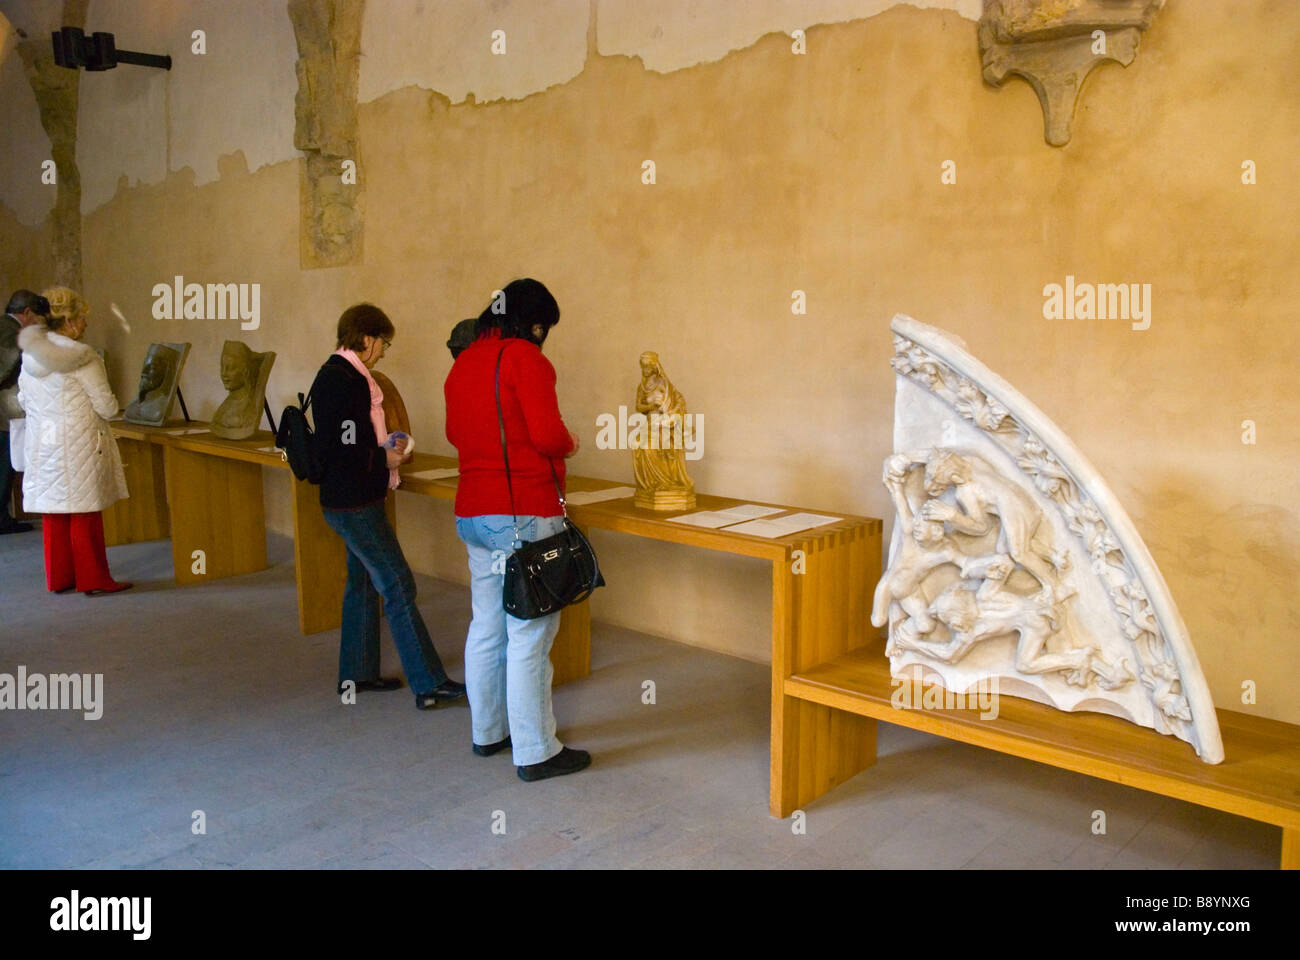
{"x": 545, "y": 575}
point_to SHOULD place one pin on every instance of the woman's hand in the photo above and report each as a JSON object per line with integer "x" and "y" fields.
{"x": 396, "y": 459}
{"x": 574, "y": 437}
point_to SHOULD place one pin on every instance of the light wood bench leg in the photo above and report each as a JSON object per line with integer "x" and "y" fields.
{"x": 214, "y": 505}
{"x": 1290, "y": 848}
{"x": 571, "y": 652}
{"x": 143, "y": 514}
{"x": 320, "y": 562}
{"x": 819, "y": 748}
{"x": 820, "y": 606}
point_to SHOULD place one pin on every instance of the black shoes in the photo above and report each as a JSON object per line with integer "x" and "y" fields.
{"x": 486, "y": 750}
{"x": 18, "y": 527}
{"x": 379, "y": 683}
{"x": 566, "y": 761}
{"x": 445, "y": 692}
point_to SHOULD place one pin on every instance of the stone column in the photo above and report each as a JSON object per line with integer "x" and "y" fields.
{"x": 328, "y": 33}
{"x": 56, "y": 91}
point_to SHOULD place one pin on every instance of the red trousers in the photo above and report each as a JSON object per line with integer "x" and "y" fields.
{"x": 74, "y": 551}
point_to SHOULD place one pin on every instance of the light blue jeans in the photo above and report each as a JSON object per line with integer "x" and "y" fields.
{"x": 507, "y": 660}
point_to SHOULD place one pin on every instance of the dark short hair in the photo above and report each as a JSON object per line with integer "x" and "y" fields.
{"x": 527, "y": 301}
{"x": 462, "y": 335}
{"x": 27, "y": 300}
{"x": 363, "y": 320}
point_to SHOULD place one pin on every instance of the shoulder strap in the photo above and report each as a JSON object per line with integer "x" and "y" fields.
{"x": 305, "y": 402}
{"x": 505, "y": 453}
{"x": 501, "y": 424}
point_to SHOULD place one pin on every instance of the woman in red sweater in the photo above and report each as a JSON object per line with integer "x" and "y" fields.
{"x": 507, "y": 660}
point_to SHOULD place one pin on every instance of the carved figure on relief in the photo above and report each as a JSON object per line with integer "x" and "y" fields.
{"x": 981, "y": 495}
{"x": 991, "y": 530}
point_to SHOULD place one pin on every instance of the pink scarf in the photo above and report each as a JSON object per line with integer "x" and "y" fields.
{"x": 376, "y": 408}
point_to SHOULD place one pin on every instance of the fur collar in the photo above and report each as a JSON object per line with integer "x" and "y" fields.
{"x": 45, "y": 352}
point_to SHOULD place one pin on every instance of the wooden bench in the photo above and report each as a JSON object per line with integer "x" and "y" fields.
{"x": 1259, "y": 778}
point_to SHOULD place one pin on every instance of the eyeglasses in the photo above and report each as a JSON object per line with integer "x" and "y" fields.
{"x": 387, "y": 343}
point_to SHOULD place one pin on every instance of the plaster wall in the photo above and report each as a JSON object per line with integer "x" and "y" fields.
{"x": 145, "y": 123}
{"x": 775, "y": 172}
{"x": 27, "y": 146}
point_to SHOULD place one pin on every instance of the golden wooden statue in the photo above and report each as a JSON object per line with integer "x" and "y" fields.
{"x": 657, "y": 439}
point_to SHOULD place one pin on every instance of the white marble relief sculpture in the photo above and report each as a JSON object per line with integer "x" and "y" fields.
{"x": 1011, "y": 558}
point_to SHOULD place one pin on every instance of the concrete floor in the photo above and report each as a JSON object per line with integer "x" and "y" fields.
{"x": 215, "y": 702}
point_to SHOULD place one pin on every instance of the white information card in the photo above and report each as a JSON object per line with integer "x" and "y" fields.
{"x": 783, "y": 526}
{"x": 750, "y": 511}
{"x": 596, "y": 496}
{"x": 705, "y": 518}
{"x": 729, "y": 517}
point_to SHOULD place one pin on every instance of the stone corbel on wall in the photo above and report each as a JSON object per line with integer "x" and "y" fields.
{"x": 1055, "y": 44}
{"x": 328, "y": 33}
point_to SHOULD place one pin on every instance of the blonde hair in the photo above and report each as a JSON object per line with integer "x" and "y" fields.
{"x": 65, "y": 305}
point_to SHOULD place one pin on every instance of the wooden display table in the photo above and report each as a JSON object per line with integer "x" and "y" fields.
{"x": 206, "y": 492}
{"x": 822, "y": 581}
{"x": 143, "y": 514}
{"x": 1259, "y": 779}
{"x": 214, "y": 502}
{"x": 821, "y": 602}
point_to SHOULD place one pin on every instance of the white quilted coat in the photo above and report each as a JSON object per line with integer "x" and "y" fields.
{"x": 72, "y": 461}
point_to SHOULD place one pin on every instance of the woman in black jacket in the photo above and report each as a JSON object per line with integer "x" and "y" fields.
{"x": 359, "y": 470}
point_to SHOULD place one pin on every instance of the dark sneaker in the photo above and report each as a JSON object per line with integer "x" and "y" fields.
{"x": 486, "y": 750}
{"x": 566, "y": 761}
{"x": 379, "y": 683}
{"x": 445, "y": 692}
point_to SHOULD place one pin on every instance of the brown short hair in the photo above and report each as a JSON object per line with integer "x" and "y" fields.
{"x": 363, "y": 320}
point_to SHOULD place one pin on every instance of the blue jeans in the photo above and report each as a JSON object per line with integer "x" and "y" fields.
{"x": 507, "y": 660}
{"x": 376, "y": 567}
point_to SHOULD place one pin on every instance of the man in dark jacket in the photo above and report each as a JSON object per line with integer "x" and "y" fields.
{"x": 25, "y": 308}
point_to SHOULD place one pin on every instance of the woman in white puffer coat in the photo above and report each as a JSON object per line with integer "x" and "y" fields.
{"x": 73, "y": 468}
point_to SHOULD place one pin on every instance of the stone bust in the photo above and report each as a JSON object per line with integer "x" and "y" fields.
{"x": 159, "y": 378}
{"x": 244, "y": 373}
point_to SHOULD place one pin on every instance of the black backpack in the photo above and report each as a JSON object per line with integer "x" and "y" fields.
{"x": 296, "y": 440}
